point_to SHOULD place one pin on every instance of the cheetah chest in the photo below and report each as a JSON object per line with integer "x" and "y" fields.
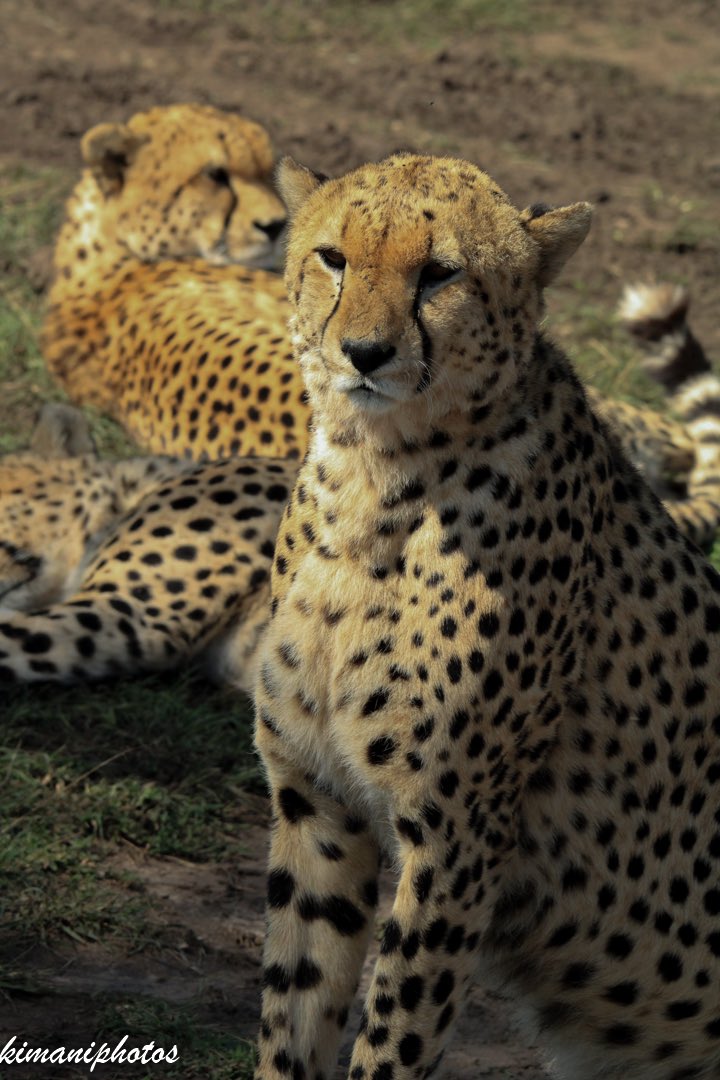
{"x": 359, "y": 673}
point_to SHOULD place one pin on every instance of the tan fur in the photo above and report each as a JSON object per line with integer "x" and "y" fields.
{"x": 492, "y": 656}
{"x": 158, "y": 314}
{"x": 119, "y": 567}
{"x": 150, "y": 320}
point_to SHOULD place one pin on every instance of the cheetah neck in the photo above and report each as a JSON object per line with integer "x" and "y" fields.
{"x": 87, "y": 247}
{"x": 371, "y": 496}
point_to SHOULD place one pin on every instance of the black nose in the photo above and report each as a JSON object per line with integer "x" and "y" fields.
{"x": 367, "y": 356}
{"x": 271, "y": 228}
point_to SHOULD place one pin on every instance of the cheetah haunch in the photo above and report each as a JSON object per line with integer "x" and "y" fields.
{"x": 65, "y": 528}
{"x": 492, "y": 656}
{"x": 149, "y": 317}
{"x": 112, "y": 568}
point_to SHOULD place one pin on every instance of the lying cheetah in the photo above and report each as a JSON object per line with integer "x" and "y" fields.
{"x": 492, "y": 656}
{"x": 56, "y": 517}
{"x": 129, "y": 566}
{"x": 150, "y": 318}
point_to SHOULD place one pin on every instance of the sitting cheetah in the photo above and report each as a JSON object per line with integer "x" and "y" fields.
{"x": 492, "y": 657}
{"x": 116, "y": 567}
{"x": 150, "y": 321}
{"x": 149, "y": 318}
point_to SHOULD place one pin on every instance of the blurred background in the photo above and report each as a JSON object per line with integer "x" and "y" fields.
{"x": 557, "y": 101}
{"x": 132, "y": 848}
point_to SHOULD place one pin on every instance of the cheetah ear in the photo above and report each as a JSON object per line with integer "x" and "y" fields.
{"x": 61, "y": 432}
{"x": 109, "y": 150}
{"x": 558, "y": 233}
{"x": 296, "y": 184}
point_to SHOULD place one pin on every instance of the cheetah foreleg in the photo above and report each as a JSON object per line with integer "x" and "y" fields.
{"x": 429, "y": 951}
{"x": 317, "y": 932}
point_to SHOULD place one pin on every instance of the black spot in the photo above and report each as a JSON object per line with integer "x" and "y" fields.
{"x": 337, "y": 910}
{"x": 186, "y": 552}
{"x": 577, "y": 976}
{"x": 392, "y": 936}
{"x": 410, "y": 1049}
{"x": 624, "y": 993}
{"x": 377, "y": 700}
{"x": 276, "y": 978}
{"x": 562, "y": 935}
{"x": 621, "y": 1035}
{"x": 307, "y": 974}
{"x": 35, "y": 644}
{"x": 682, "y": 1010}
{"x": 443, "y": 987}
{"x": 281, "y": 885}
{"x": 410, "y": 830}
{"x": 88, "y": 620}
{"x": 380, "y": 750}
{"x": 294, "y": 806}
{"x": 619, "y": 946}
{"x": 448, "y": 783}
{"x": 411, "y": 991}
{"x": 422, "y": 884}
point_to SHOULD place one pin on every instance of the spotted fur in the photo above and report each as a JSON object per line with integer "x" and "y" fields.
{"x": 59, "y": 504}
{"x": 158, "y": 314}
{"x": 492, "y": 656}
{"x": 152, "y": 320}
{"x": 110, "y": 568}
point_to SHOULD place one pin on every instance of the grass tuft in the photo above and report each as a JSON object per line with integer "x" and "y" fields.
{"x": 31, "y": 208}
{"x": 160, "y": 764}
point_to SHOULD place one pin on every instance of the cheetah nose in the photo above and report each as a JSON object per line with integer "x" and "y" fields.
{"x": 367, "y": 356}
{"x": 272, "y": 229}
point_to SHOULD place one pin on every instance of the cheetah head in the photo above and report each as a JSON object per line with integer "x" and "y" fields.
{"x": 184, "y": 181}
{"x": 416, "y": 287}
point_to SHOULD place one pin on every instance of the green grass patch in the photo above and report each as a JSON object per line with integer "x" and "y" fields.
{"x": 428, "y": 23}
{"x": 714, "y": 555}
{"x": 601, "y": 349}
{"x": 31, "y": 207}
{"x": 161, "y": 764}
{"x": 30, "y": 212}
{"x": 202, "y": 1050}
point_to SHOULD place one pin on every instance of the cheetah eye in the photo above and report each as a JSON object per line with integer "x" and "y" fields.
{"x": 218, "y": 174}
{"x": 333, "y": 259}
{"x": 434, "y": 273}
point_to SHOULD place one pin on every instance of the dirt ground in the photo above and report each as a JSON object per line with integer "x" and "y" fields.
{"x": 558, "y": 105}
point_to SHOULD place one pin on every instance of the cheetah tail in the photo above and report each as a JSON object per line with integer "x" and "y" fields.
{"x": 697, "y": 402}
{"x": 657, "y": 315}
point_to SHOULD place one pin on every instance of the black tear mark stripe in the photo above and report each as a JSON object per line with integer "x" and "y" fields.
{"x": 335, "y": 306}
{"x": 427, "y": 350}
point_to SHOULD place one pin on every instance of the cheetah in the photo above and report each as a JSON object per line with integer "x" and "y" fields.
{"x": 492, "y": 658}
{"x": 112, "y": 568}
{"x": 151, "y": 320}
{"x": 75, "y": 504}
{"x": 60, "y": 492}
{"x": 163, "y": 311}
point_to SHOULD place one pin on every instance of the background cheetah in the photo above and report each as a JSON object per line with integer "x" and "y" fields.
{"x": 150, "y": 321}
{"x": 150, "y": 318}
{"x": 492, "y": 656}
